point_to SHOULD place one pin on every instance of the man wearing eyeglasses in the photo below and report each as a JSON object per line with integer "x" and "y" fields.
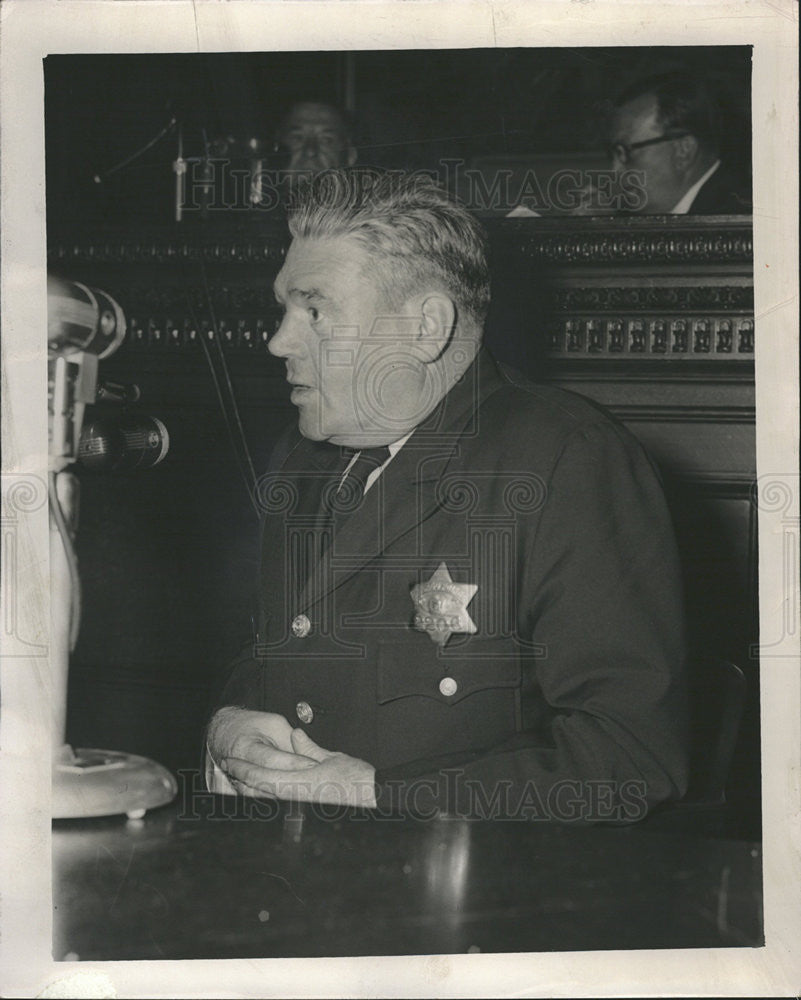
{"x": 665, "y": 131}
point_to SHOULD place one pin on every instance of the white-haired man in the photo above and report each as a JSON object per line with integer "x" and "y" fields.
{"x": 469, "y": 592}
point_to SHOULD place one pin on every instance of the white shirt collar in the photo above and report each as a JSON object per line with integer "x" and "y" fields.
{"x": 682, "y": 206}
{"x": 394, "y": 448}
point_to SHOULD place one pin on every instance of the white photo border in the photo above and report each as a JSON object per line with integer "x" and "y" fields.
{"x": 32, "y": 29}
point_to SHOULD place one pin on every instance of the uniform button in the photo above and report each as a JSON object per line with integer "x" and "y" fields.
{"x": 448, "y": 686}
{"x": 301, "y": 626}
{"x": 304, "y": 712}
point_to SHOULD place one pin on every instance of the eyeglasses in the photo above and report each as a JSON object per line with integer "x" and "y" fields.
{"x": 622, "y": 151}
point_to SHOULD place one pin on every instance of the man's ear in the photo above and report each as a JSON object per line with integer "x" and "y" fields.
{"x": 437, "y": 322}
{"x": 685, "y": 152}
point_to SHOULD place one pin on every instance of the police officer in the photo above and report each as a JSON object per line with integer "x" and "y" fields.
{"x": 469, "y": 590}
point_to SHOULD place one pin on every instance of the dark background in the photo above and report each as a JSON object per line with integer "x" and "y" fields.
{"x": 168, "y": 555}
{"x": 412, "y": 109}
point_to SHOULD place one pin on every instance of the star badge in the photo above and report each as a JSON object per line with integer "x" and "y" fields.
{"x": 440, "y": 606}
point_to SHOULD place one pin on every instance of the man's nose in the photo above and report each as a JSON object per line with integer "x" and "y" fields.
{"x": 282, "y": 343}
{"x": 311, "y": 146}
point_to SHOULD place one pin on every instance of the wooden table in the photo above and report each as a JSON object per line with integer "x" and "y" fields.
{"x": 216, "y": 877}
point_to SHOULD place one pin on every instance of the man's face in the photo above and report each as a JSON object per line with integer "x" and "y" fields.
{"x": 357, "y": 376}
{"x": 315, "y": 138}
{"x": 662, "y": 176}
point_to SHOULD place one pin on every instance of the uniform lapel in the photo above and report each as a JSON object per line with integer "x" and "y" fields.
{"x": 406, "y": 492}
{"x": 291, "y": 496}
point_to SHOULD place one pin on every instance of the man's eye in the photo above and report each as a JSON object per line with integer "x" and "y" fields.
{"x": 314, "y": 314}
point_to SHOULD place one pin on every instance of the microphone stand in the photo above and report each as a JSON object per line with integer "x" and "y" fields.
{"x": 85, "y": 782}
{"x": 179, "y": 168}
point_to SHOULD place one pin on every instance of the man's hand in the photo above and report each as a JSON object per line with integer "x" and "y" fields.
{"x": 594, "y": 201}
{"x": 306, "y": 774}
{"x": 239, "y": 732}
{"x": 261, "y": 738}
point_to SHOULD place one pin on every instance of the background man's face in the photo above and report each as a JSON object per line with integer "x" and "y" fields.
{"x": 357, "y": 378}
{"x": 662, "y": 181}
{"x": 315, "y": 139}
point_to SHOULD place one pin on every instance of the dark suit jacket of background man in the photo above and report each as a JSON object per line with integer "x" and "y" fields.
{"x": 575, "y": 672}
{"x": 725, "y": 193}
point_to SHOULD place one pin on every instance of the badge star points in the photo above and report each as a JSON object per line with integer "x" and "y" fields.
{"x": 440, "y": 606}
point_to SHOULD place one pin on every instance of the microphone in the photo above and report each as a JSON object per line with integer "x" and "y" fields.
{"x": 80, "y": 318}
{"x": 117, "y": 392}
{"x": 124, "y": 443}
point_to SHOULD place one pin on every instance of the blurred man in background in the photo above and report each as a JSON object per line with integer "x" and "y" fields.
{"x": 315, "y": 137}
{"x": 311, "y": 137}
{"x": 666, "y": 129}
{"x": 664, "y": 158}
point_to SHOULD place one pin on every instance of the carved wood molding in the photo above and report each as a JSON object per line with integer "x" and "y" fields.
{"x": 161, "y": 248}
{"x": 684, "y": 239}
{"x": 717, "y": 486}
{"x": 709, "y": 338}
{"x": 240, "y": 334}
{"x": 704, "y": 338}
{"x": 257, "y": 298}
{"x": 600, "y": 240}
{"x": 682, "y": 414}
{"x": 657, "y": 298}
{"x": 646, "y": 310}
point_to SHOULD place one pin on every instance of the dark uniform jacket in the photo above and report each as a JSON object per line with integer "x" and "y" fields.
{"x": 568, "y": 697}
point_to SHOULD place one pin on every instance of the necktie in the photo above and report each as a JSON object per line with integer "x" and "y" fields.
{"x": 345, "y": 496}
{"x": 335, "y": 500}
{"x": 340, "y": 498}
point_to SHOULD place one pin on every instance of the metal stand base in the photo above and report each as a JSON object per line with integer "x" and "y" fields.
{"x": 108, "y": 782}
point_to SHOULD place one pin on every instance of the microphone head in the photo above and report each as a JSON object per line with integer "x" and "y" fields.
{"x": 80, "y": 318}
{"x": 121, "y": 444}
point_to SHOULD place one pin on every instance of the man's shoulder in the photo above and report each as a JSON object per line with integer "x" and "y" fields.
{"x": 519, "y": 420}
{"x": 542, "y": 427}
{"x": 727, "y": 192}
{"x": 546, "y": 409}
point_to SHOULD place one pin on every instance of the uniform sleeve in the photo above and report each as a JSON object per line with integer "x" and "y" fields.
{"x": 601, "y": 594}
